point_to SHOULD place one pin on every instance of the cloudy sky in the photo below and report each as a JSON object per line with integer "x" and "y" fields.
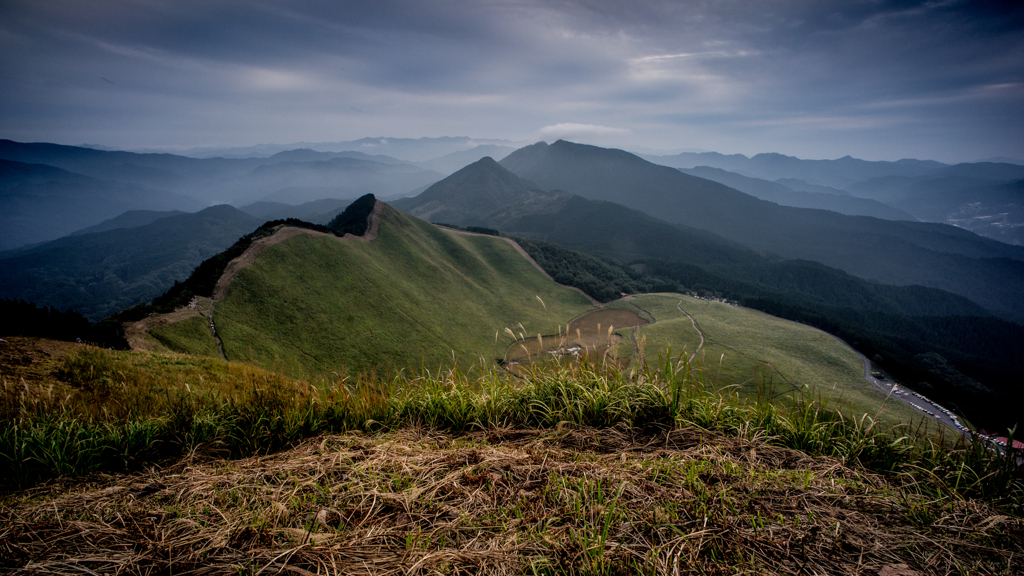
{"x": 873, "y": 79}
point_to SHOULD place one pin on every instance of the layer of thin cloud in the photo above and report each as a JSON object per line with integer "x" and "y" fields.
{"x": 588, "y": 133}
{"x": 810, "y": 79}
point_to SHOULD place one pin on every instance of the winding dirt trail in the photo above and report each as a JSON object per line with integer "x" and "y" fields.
{"x": 679, "y": 306}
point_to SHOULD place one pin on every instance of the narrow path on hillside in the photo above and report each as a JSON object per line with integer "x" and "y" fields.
{"x": 216, "y": 338}
{"x": 679, "y": 306}
{"x": 793, "y": 387}
{"x": 632, "y": 335}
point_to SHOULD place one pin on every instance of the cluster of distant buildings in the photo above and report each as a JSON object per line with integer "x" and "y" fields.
{"x": 713, "y": 299}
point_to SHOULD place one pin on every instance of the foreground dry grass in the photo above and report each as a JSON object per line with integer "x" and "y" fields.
{"x": 577, "y": 501}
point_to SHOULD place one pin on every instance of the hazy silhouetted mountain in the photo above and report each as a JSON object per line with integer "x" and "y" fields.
{"x": 804, "y": 186}
{"x": 293, "y": 177}
{"x": 771, "y": 166}
{"x": 307, "y": 155}
{"x": 480, "y": 194}
{"x": 41, "y": 203}
{"x": 985, "y": 171}
{"x": 455, "y": 161}
{"x": 988, "y": 207}
{"x": 781, "y": 194}
{"x": 406, "y": 149}
{"x": 486, "y": 194}
{"x": 317, "y": 211}
{"x": 129, "y": 219}
{"x": 342, "y": 178}
{"x": 99, "y": 273}
{"x": 989, "y": 272}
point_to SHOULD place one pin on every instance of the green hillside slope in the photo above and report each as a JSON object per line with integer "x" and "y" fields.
{"x": 744, "y": 350}
{"x": 320, "y": 306}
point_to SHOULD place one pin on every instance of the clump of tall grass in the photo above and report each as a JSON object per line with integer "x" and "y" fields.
{"x": 121, "y": 412}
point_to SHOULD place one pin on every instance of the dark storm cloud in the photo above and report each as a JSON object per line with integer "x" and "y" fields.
{"x": 871, "y": 78}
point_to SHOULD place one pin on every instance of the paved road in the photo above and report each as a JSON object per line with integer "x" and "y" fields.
{"x": 928, "y": 408}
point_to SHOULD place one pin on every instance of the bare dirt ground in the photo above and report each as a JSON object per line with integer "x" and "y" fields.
{"x": 135, "y": 332}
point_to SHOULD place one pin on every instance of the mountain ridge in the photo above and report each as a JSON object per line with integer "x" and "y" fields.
{"x": 888, "y": 252}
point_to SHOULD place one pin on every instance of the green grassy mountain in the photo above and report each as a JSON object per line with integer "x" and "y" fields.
{"x": 415, "y": 294}
{"x": 316, "y": 304}
{"x": 99, "y": 273}
{"x": 986, "y": 271}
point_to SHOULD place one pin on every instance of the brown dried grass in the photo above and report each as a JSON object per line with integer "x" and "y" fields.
{"x": 684, "y": 501}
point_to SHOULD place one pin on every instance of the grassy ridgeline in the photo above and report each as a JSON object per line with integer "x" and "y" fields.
{"x": 315, "y": 306}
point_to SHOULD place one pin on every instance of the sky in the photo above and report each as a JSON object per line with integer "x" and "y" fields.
{"x": 875, "y": 79}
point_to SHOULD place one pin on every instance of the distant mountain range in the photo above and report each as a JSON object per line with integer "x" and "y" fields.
{"x": 486, "y": 194}
{"x": 49, "y": 190}
{"x": 983, "y": 197}
{"x": 407, "y": 149}
{"x": 838, "y": 173}
{"x": 988, "y": 272}
{"x": 118, "y": 264}
{"x": 786, "y": 196}
{"x": 41, "y": 202}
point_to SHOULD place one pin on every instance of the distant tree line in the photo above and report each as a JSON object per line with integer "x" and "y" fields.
{"x": 355, "y": 219}
{"x": 598, "y": 279}
{"x": 474, "y": 229}
{"x": 21, "y": 318}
